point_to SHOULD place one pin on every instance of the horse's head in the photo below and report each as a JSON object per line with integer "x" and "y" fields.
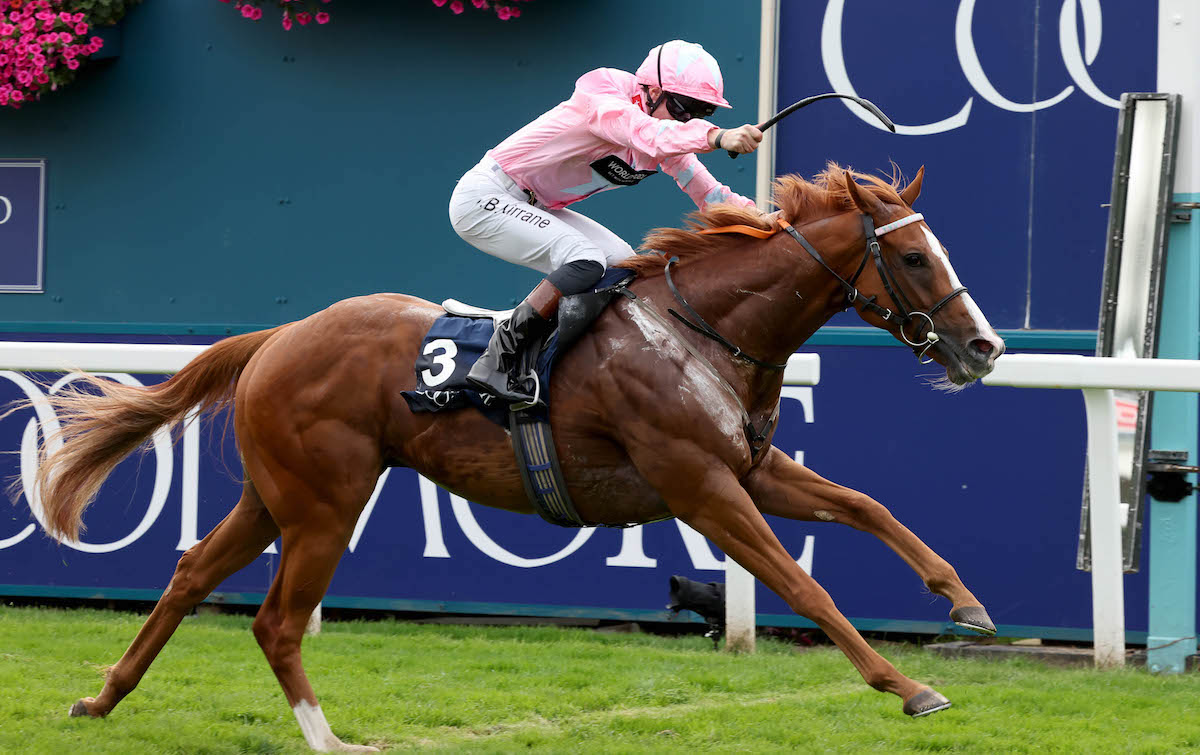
{"x": 908, "y": 271}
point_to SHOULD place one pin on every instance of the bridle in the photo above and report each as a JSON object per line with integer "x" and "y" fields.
{"x": 904, "y": 314}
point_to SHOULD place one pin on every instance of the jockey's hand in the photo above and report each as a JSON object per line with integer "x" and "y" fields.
{"x": 742, "y": 139}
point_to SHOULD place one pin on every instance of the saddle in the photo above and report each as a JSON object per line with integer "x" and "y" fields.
{"x": 458, "y": 338}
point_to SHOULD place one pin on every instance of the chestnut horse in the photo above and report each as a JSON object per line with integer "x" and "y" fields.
{"x": 648, "y": 418}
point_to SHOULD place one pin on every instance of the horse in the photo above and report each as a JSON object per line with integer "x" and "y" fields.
{"x": 651, "y": 420}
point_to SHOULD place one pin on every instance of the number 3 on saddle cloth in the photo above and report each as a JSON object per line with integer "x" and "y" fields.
{"x": 451, "y": 347}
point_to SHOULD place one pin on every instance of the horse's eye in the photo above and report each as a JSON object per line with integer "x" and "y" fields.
{"x": 913, "y": 260}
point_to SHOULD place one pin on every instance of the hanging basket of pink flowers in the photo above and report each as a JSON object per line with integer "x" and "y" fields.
{"x": 304, "y": 12}
{"x": 44, "y": 42}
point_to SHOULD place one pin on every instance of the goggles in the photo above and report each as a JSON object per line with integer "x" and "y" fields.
{"x": 683, "y": 108}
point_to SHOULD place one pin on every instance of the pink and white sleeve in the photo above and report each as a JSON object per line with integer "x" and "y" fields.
{"x": 699, "y": 184}
{"x": 625, "y": 124}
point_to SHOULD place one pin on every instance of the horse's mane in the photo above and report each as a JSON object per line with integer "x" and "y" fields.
{"x": 800, "y": 200}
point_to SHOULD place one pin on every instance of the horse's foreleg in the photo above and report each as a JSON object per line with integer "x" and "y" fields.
{"x": 710, "y": 500}
{"x": 235, "y": 542}
{"x": 785, "y": 488}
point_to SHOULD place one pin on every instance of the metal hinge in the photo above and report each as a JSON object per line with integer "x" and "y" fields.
{"x": 1181, "y": 212}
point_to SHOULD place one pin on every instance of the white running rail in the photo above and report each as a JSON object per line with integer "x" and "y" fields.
{"x": 1098, "y": 377}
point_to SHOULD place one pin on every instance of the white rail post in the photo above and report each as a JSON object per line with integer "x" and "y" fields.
{"x": 740, "y": 620}
{"x": 1108, "y": 586}
{"x": 1098, "y": 377}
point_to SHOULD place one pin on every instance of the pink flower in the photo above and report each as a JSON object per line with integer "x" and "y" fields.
{"x": 303, "y": 18}
{"x": 479, "y": 4}
{"x": 287, "y": 21}
{"x": 322, "y": 17}
{"x": 504, "y": 12}
{"x": 439, "y": 3}
{"x": 257, "y": 13}
{"x": 81, "y": 29}
{"x": 457, "y": 7}
{"x": 72, "y": 64}
{"x": 247, "y": 11}
{"x": 514, "y": 12}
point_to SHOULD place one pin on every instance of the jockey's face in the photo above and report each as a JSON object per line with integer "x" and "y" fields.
{"x": 660, "y": 112}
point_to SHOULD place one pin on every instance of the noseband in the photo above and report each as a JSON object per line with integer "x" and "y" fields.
{"x": 905, "y": 313}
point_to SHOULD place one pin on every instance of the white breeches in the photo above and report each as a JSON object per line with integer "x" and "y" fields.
{"x": 491, "y": 213}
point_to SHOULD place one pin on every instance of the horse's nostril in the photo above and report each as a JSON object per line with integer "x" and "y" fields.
{"x": 982, "y": 346}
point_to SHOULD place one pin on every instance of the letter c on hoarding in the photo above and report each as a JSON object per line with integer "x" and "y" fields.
{"x": 1076, "y": 57}
{"x": 46, "y": 421}
{"x": 7, "y": 210}
{"x": 475, "y": 533}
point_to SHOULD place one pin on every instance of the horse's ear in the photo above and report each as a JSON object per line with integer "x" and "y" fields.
{"x": 910, "y": 193}
{"x": 864, "y": 200}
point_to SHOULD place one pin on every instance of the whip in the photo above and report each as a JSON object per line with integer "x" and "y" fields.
{"x": 870, "y": 106}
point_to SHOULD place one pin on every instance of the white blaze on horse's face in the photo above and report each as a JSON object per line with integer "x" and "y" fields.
{"x": 939, "y": 252}
{"x": 984, "y": 344}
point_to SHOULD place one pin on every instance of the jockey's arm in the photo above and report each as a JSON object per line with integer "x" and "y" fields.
{"x": 624, "y": 123}
{"x": 699, "y": 184}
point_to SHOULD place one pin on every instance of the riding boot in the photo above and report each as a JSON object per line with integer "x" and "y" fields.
{"x": 492, "y": 372}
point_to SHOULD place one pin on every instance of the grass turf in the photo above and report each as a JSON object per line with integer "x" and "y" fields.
{"x": 488, "y": 689}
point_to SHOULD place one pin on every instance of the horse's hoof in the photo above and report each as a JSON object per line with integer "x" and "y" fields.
{"x": 974, "y": 618}
{"x": 925, "y": 702}
{"x": 80, "y": 708}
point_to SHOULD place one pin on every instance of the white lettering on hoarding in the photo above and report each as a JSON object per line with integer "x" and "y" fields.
{"x": 1076, "y": 57}
{"x": 7, "y": 210}
{"x": 45, "y": 424}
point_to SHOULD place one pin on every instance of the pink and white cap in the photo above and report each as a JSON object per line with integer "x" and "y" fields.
{"x": 686, "y": 68}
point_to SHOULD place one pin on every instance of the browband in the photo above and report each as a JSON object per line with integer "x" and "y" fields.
{"x": 916, "y": 217}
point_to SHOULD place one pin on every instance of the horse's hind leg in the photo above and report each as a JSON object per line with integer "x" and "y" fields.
{"x": 235, "y": 542}
{"x": 311, "y": 550}
{"x": 785, "y": 488}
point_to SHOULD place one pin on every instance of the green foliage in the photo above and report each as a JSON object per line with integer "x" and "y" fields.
{"x": 474, "y": 689}
{"x": 102, "y": 12}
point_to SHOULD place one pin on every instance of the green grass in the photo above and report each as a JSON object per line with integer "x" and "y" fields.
{"x": 458, "y": 688}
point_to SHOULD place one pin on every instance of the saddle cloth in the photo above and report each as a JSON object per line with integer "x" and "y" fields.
{"x": 453, "y": 344}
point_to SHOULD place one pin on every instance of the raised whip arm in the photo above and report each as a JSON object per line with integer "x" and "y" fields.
{"x": 870, "y": 106}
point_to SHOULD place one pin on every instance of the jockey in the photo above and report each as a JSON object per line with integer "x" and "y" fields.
{"x": 616, "y": 129}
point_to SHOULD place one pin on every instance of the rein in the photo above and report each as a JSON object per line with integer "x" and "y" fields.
{"x": 905, "y": 313}
{"x": 704, "y": 329}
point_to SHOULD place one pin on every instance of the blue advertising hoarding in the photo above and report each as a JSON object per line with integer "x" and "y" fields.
{"x": 1012, "y": 109}
{"x": 22, "y": 224}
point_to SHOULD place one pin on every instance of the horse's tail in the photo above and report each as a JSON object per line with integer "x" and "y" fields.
{"x": 98, "y": 431}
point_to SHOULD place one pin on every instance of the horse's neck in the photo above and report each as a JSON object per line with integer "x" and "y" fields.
{"x": 769, "y": 298}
